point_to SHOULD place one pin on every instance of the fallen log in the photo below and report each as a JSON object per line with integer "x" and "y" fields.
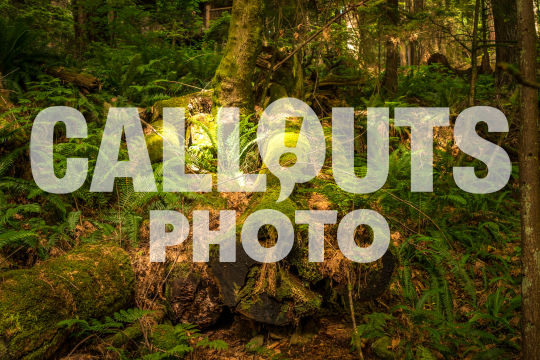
{"x": 89, "y": 282}
{"x": 340, "y": 81}
{"x": 75, "y": 77}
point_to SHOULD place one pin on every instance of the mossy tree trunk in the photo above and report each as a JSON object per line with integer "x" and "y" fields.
{"x": 233, "y": 79}
{"x": 89, "y": 282}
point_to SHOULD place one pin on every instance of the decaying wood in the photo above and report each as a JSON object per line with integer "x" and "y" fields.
{"x": 89, "y": 282}
{"x": 75, "y": 77}
{"x": 192, "y": 297}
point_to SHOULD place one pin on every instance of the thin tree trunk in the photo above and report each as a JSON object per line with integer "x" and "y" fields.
{"x": 403, "y": 54}
{"x": 486, "y": 66}
{"x": 379, "y": 51}
{"x": 408, "y": 7}
{"x": 390, "y": 82}
{"x": 233, "y": 79}
{"x": 79, "y": 17}
{"x": 207, "y": 8}
{"x": 505, "y": 20}
{"x": 529, "y": 185}
{"x": 415, "y": 46}
{"x": 474, "y": 48}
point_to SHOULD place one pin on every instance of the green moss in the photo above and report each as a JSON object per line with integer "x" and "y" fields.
{"x": 307, "y": 270}
{"x": 304, "y": 300}
{"x": 154, "y": 142}
{"x": 89, "y": 282}
{"x": 247, "y": 292}
{"x": 182, "y": 101}
{"x": 296, "y": 298}
{"x": 124, "y": 336}
{"x": 381, "y": 348}
{"x": 234, "y": 76}
{"x": 200, "y": 132}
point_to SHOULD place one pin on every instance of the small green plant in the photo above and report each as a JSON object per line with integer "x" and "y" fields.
{"x": 183, "y": 340}
{"x": 110, "y": 325}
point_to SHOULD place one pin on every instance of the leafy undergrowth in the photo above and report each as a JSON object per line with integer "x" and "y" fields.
{"x": 456, "y": 289}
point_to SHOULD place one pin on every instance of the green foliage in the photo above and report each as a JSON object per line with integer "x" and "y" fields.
{"x": 456, "y": 289}
{"x": 179, "y": 18}
{"x": 433, "y": 85}
{"x": 374, "y": 326}
{"x": 453, "y": 248}
{"x": 21, "y": 53}
{"x": 110, "y": 325}
{"x": 142, "y": 75}
{"x": 34, "y": 218}
{"x": 218, "y": 31}
{"x": 182, "y": 336}
{"x": 48, "y": 20}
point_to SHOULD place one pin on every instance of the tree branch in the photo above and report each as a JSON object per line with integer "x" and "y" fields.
{"x": 509, "y": 68}
{"x": 317, "y": 33}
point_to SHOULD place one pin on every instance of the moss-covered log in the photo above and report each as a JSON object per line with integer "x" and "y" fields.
{"x": 75, "y": 77}
{"x": 89, "y": 282}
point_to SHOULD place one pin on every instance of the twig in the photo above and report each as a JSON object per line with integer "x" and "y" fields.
{"x": 357, "y": 341}
{"x": 10, "y": 255}
{"x": 79, "y": 344}
{"x": 421, "y": 212}
{"x": 181, "y": 83}
{"x": 449, "y": 32}
{"x": 69, "y": 281}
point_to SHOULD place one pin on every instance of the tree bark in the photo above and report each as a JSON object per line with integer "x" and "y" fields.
{"x": 505, "y": 20}
{"x": 233, "y": 79}
{"x": 390, "y": 82}
{"x": 474, "y": 55}
{"x": 89, "y": 282}
{"x": 79, "y": 20}
{"x": 414, "y": 46}
{"x": 529, "y": 185}
{"x": 486, "y": 66}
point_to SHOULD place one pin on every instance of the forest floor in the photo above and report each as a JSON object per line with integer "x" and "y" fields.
{"x": 330, "y": 339}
